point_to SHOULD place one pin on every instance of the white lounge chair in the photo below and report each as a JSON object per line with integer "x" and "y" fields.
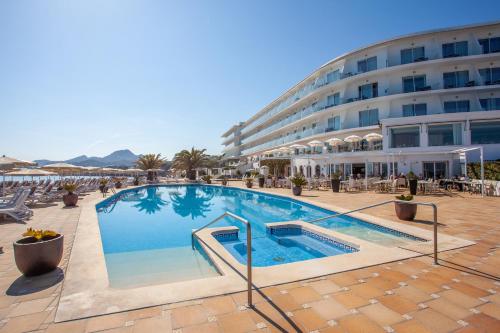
{"x": 16, "y": 208}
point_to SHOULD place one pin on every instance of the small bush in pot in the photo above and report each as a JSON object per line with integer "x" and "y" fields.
{"x": 118, "y": 182}
{"x": 70, "y": 199}
{"x": 39, "y": 252}
{"x": 223, "y": 180}
{"x": 297, "y": 182}
{"x": 207, "y": 179}
{"x": 335, "y": 181}
{"x": 405, "y": 210}
{"x": 103, "y": 183}
{"x": 413, "y": 182}
{"x": 249, "y": 182}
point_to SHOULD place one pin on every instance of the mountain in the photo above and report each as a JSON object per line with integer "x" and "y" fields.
{"x": 119, "y": 158}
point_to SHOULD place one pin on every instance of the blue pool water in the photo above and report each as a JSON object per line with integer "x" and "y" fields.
{"x": 149, "y": 229}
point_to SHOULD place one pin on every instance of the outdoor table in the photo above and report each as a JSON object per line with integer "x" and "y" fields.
{"x": 423, "y": 184}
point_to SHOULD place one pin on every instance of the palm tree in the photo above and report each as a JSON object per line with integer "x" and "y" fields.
{"x": 190, "y": 160}
{"x": 150, "y": 161}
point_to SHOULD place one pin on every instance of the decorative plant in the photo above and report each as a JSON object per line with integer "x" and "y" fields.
{"x": 103, "y": 182}
{"x": 40, "y": 235}
{"x": 411, "y": 175}
{"x": 207, "y": 179}
{"x": 249, "y": 182}
{"x": 298, "y": 180}
{"x": 335, "y": 175}
{"x": 403, "y": 197}
{"x": 70, "y": 187}
{"x": 136, "y": 180}
{"x": 190, "y": 160}
{"x": 150, "y": 161}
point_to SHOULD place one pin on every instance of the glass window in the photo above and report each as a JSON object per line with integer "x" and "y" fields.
{"x": 489, "y": 104}
{"x": 455, "y": 79}
{"x": 368, "y": 117}
{"x": 367, "y": 65}
{"x": 333, "y": 124}
{"x": 333, "y": 100}
{"x": 402, "y": 137}
{"x": 490, "y": 45}
{"x": 457, "y": 49}
{"x": 456, "y": 106}
{"x": 413, "y": 83}
{"x": 445, "y": 135}
{"x": 435, "y": 170}
{"x": 490, "y": 75}
{"x": 410, "y": 110}
{"x": 333, "y": 76}
{"x": 485, "y": 132}
{"x": 412, "y": 55}
{"x": 369, "y": 90}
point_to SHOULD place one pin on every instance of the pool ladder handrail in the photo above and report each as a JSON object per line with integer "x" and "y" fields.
{"x": 249, "y": 247}
{"x": 430, "y": 204}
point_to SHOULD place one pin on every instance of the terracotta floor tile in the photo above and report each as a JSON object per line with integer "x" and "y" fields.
{"x": 381, "y": 315}
{"x": 152, "y": 325}
{"x": 469, "y": 290}
{"x": 304, "y": 295}
{"x": 332, "y": 329}
{"x": 144, "y": 313}
{"x": 102, "y": 323}
{"x": 412, "y": 294}
{"x": 286, "y": 302}
{"x": 219, "y": 305}
{"x": 329, "y": 309}
{"x": 382, "y": 283}
{"x": 324, "y": 287}
{"x": 33, "y": 306}
{"x": 460, "y": 299}
{"x": 350, "y": 300}
{"x": 75, "y": 326}
{"x": 491, "y": 309}
{"x": 448, "y": 309}
{"x": 344, "y": 279}
{"x": 424, "y": 285}
{"x": 309, "y": 319}
{"x": 188, "y": 316}
{"x": 398, "y": 303}
{"x": 484, "y": 322}
{"x": 410, "y": 326}
{"x": 434, "y": 321}
{"x": 25, "y": 323}
{"x": 366, "y": 291}
{"x": 203, "y": 328}
{"x": 394, "y": 275}
{"x": 468, "y": 329}
{"x": 237, "y": 322}
{"x": 359, "y": 324}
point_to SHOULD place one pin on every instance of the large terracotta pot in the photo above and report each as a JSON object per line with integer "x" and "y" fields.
{"x": 35, "y": 258}
{"x": 118, "y": 184}
{"x": 405, "y": 211}
{"x": 249, "y": 184}
{"x": 70, "y": 199}
{"x": 224, "y": 182}
{"x": 297, "y": 190}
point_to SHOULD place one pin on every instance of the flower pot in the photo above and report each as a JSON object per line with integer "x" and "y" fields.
{"x": 297, "y": 190}
{"x": 224, "y": 182}
{"x": 118, "y": 185}
{"x": 70, "y": 199}
{"x": 261, "y": 182}
{"x": 335, "y": 185}
{"x": 136, "y": 183}
{"x": 405, "y": 210}
{"x": 102, "y": 188}
{"x": 209, "y": 182}
{"x": 413, "y": 186}
{"x": 249, "y": 184}
{"x": 35, "y": 258}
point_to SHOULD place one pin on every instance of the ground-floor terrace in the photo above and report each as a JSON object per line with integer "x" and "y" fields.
{"x": 461, "y": 294}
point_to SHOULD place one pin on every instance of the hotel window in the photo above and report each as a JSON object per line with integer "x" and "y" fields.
{"x": 414, "y": 83}
{"x": 490, "y": 75}
{"x": 490, "y": 45}
{"x": 456, "y": 106}
{"x": 368, "y": 117}
{"x": 369, "y": 90}
{"x": 445, "y": 134}
{"x": 404, "y": 137}
{"x": 489, "y": 104}
{"x": 333, "y": 76}
{"x": 455, "y": 79}
{"x": 411, "y": 110}
{"x": 412, "y": 55}
{"x": 333, "y": 124}
{"x": 485, "y": 132}
{"x": 367, "y": 65}
{"x": 457, "y": 49}
{"x": 333, "y": 100}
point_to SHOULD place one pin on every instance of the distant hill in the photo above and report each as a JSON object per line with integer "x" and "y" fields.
{"x": 119, "y": 158}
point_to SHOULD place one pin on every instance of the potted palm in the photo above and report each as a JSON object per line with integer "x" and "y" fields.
{"x": 70, "y": 199}
{"x": 249, "y": 182}
{"x": 102, "y": 185}
{"x": 150, "y": 163}
{"x": 39, "y": 252}
{"x": 405, "y": 210}
{"x": 207, "y": 179}
{"x": 413, "y": 182}
{"x": 335, "y": 180}
{"x": 297, "y": 182}
{"x": 189, "y": 161}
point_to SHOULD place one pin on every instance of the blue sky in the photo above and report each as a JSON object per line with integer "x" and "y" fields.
{"x": 91, "y": 77}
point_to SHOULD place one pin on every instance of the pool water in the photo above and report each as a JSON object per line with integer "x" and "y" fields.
{"x": 149, "y": 229}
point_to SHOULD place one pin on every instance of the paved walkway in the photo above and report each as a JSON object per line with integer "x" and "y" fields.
{"x": 462, "y": 294}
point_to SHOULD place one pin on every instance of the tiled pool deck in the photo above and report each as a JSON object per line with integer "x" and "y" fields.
{"x": 462, "y": 294}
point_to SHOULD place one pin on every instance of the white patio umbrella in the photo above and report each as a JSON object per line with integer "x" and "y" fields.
{"x": 315, "y": 143}
{"x": 334, "y": 141}
{"x": 297, "y": 146}
{"x": 352, "y": 139}
{"x": 61, "y": 168}
{"x": 8, "y": 163}
{"x": 373, "y": 137}
{"x": 30, "y": 172}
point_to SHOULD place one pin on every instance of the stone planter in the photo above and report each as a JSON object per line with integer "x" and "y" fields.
{"x": 335, "y": 185}
{"x": 70, "y": 199}
{"x": 297, "y": 190}
{"x": 249, "y": 184}
{"x": 413, "y": 186}
{"x": 35, "y": 258}
{"x": 405, "y": 211}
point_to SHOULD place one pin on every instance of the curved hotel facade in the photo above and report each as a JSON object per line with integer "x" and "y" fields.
{"x": 410, "y": 103}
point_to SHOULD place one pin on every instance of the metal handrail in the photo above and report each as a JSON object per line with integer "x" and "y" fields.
{"x": 434, "y": 208}
{"x": 249, "y": 247}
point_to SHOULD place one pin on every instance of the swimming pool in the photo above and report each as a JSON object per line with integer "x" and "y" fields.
{"x": 149, "y": 229}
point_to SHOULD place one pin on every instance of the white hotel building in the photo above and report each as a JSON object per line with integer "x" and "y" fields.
{"x": 427, "y": 95}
